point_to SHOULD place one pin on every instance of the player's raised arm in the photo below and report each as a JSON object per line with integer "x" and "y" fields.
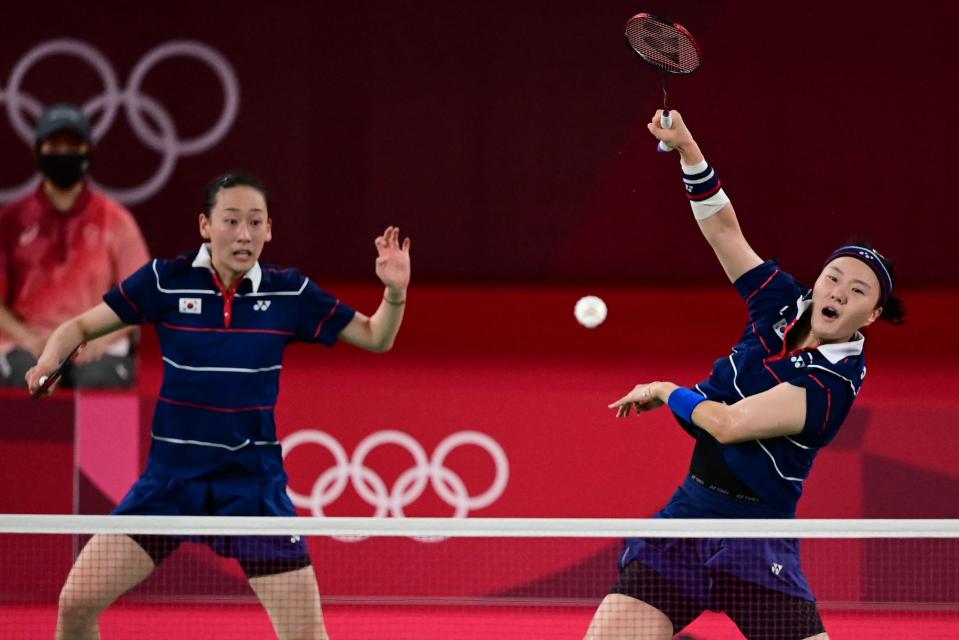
{"x": 711, "y": 207}
{"x": 378, "y": 332}
{"x": 89, "y": 325}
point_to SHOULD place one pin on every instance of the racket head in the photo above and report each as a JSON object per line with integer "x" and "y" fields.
{"x": 54, "y": 377}
{"x": 662, "y": 43}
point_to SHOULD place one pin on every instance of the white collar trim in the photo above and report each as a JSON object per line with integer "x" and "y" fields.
{"x": 204, "y": 260}
{"x": 835, "y": 351}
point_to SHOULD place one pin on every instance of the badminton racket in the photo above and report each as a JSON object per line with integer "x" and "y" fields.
{"x": 666, "y": 46}
{"x": 48, "y": 381}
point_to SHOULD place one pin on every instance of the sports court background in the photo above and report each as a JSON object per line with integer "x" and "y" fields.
{"x": 509, "y": 140}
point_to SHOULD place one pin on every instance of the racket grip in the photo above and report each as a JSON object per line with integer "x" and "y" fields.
{"x": 666, "y": 122}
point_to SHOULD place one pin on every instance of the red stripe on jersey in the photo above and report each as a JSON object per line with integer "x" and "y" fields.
{"x": 319, "y": 327}
{"x": 828, "y": 402}
{"x": 209, "y": 408}
{"x": 762, "y": 286}
{"x": 129, "y": 301}
{"x": 765, "y": 346}
{"x": 175, "y": 327}
{"x": 228, "y": 295}
{"x": 773, "y": 373}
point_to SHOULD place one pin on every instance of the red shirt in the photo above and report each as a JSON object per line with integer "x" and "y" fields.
{"x": 55, "y": 265}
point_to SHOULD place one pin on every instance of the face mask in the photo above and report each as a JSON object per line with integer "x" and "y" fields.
{"x": 64, "y": 170}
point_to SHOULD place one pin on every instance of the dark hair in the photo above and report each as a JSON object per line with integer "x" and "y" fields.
{"x": 228, "y": 181}
{"x": 894, "y": 311}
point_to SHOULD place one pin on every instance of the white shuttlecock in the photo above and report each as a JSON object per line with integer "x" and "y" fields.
{"x": 590, "y": 311}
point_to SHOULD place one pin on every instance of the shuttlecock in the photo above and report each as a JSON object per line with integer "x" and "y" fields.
{"x": 590, "y": 311}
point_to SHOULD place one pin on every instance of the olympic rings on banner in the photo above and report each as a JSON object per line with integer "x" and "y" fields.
{"x": 409, "y": 486}
{"x": 102, "y": 108}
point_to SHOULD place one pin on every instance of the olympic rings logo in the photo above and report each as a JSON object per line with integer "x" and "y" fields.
{"x": 102, "y": 109}
{"x": 410, "y": 484}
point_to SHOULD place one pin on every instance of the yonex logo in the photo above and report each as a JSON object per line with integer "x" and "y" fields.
{"x": 797, "y": 361}
{"x": 261, "y": 305}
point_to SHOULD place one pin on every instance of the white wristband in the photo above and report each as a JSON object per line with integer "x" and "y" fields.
{"x": 709, "y": 207}
{"x": 704, "y": 190}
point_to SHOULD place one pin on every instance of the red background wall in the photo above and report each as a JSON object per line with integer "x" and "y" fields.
{"x": 508, "y": 138}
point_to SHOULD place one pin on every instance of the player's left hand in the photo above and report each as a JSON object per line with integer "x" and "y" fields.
{"x": 643, "y": 397}
{"x": 393, "y": 259}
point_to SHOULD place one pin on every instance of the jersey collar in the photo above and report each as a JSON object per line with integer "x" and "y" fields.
{"x": 835, "y": 351}
{"x": 204, "y": 260}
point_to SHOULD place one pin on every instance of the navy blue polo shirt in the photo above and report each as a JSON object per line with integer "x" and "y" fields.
{"x": 222, "y": 353}
{"x": 831, "y": 375}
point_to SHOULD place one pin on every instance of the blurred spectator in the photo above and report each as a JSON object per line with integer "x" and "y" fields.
{"x": 61, "y": 249}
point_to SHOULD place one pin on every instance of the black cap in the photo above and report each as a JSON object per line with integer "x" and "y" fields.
{"x": 62, "y": 117}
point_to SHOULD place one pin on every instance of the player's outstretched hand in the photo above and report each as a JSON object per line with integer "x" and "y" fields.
{"x": 677, "y": 136}
{"x": 393, "y": 259}
{"x": 642, "y": 398}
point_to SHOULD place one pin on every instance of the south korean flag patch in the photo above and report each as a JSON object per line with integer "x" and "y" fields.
{"x": 780, "y": 328}
{"x": 191, "y": 305}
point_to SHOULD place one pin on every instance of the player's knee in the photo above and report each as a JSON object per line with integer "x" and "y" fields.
{"x": 76, "y": 608}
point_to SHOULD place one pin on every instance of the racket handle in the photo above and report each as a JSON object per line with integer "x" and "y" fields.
{"x": 666, "y": 122}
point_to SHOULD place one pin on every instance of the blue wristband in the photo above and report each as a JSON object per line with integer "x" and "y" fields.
{"x": 682, "y": 401}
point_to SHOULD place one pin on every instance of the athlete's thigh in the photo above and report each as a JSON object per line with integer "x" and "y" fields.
{"x": 293, "y": 601}
{"x": 766, "y": 614}
{"x": 620, "y": 617}
{"x": 107, "y": 567}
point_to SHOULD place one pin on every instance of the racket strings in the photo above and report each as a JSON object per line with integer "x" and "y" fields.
{"x": 663, "y": 45}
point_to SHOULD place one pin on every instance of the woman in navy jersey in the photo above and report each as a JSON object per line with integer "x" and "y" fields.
{"x": 758, "y": 420}
{"x": 223, "y": 320}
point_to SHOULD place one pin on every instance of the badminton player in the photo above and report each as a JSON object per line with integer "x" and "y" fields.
{"x": 223, "y": 320}
{"x": 758, "y": 421}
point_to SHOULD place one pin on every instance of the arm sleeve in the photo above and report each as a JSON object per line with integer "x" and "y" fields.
{"x": 136, "y": 299}
{"x": 829, "y": 398}
{"x": 322, "y": 316}
{"x": 766, "y": 289}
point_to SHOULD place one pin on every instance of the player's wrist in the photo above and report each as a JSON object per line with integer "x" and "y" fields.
{"x": 689, "y": 152}
{"x": 683, "y": 402}
{"x": 394, "y": 296}
{"x": 703, "y": 187}
{"x": 661, "y": 390}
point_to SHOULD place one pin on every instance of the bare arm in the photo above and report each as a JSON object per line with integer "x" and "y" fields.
{"x": 378, "y": 332}
{"x": 89, "y": 325}
{"x": 722, "y": 229}
{"x": 780, "y": 411}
